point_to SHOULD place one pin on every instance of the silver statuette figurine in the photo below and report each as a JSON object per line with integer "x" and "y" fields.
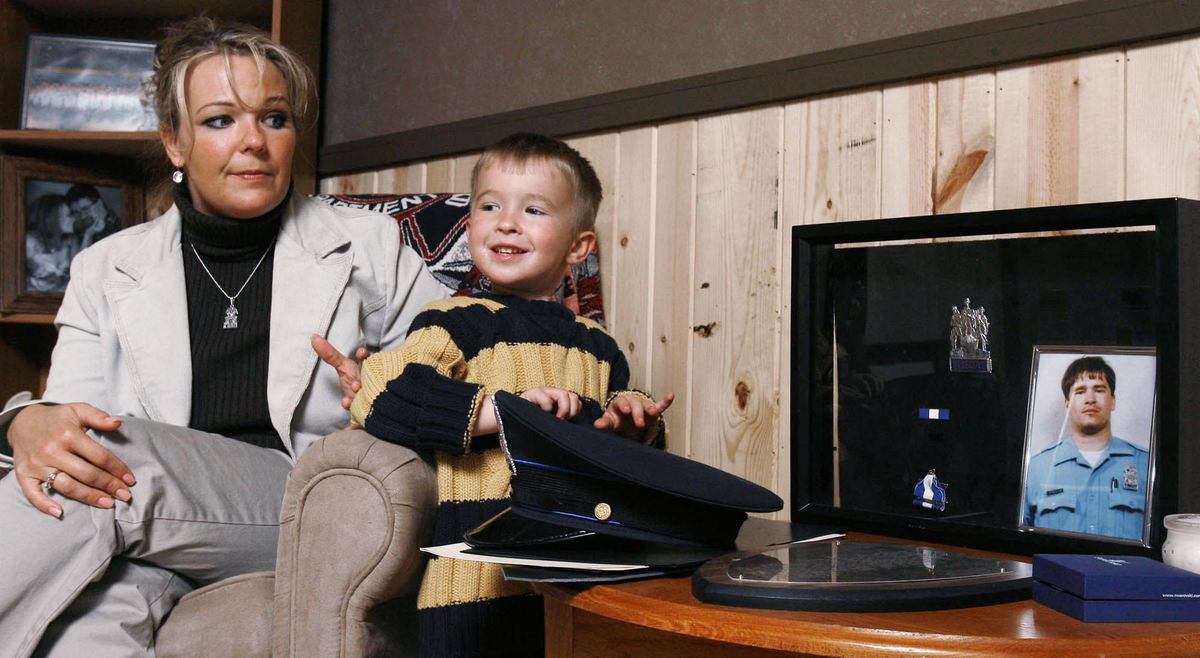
{"x": 969, "y": 339}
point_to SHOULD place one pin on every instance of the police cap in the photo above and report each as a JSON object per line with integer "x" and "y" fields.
{"x": 571, "y": 480}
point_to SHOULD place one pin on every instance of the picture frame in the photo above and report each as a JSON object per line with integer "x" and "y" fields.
{"x": 896, "y": 406}
{"x": 88, "y": 84}
{"x": 51, "y": 211}
{"x": 1073, "y": 408}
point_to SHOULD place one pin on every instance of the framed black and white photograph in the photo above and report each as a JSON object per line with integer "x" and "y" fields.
{"x": 75, "y": 83}
{"x": 52, "y": 211}
{"x": 1089, "y": 442}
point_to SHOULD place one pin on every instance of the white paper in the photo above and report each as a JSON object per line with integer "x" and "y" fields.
{"x": 458, "y": 552}
{"x": 834, "y": 535}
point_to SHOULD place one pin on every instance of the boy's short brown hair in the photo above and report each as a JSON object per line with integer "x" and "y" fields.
{"x": 522, "y": 148}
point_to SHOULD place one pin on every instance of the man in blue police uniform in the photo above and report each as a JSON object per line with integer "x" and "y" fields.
{"x": 1091, "y": 481}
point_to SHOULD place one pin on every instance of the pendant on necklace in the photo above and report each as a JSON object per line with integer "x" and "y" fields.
{"x": 231, "y": 314}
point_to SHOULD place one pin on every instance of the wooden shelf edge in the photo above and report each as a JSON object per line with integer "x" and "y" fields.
{"x": 177, "y": 9}
{"x": 27, "y": 318}
{"x": 124, "y": 144}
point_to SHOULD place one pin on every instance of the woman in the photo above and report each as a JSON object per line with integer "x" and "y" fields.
{"x": 50, "y": 243}
{"x": 184, "y": 347}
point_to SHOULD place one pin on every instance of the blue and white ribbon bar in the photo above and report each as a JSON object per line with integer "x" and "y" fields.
{"x": 934, "y": 414}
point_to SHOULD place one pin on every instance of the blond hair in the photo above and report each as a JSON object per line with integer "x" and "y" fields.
{"x": 194, "y": 39}
{"x": 522, "y": 148}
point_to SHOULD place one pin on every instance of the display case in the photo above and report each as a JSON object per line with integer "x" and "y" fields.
{"x": 1016, "y": 380}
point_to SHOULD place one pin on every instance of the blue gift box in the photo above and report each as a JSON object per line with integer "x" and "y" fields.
{"x": 1116, "y": 588}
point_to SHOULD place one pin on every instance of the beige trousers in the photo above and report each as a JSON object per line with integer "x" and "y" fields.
{"x": 98, "y": 582}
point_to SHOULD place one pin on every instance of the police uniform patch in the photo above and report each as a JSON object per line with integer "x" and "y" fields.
{"x": 1131, "y": 482}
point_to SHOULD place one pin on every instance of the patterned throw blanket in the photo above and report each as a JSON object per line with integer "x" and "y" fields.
{"x": 435, "y": 226}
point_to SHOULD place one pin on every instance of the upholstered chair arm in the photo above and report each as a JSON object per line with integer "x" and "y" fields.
{"x": 355, "y": 514}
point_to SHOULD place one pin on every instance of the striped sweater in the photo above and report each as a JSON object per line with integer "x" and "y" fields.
{"x": 425, "y": 396}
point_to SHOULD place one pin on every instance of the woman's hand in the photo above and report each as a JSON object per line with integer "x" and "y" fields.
{"x": 347, "y": 368}
{"x": 53, "y": 439}
{"x": 628, "y": 414}
{"x": 90, "y": 233}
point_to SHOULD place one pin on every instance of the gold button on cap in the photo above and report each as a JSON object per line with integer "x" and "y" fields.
{"x": 602, "y": 511}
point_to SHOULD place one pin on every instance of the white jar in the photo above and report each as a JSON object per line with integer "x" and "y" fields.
{"x": 1182, "y": 547}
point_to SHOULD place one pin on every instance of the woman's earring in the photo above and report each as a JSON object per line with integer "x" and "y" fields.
{"x": 177, "y": 176}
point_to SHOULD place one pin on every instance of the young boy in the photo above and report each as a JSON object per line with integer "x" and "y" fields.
{"x": 533, "y": 208}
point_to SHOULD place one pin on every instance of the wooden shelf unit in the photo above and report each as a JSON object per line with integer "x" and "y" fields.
{"x": 26, "y": 339}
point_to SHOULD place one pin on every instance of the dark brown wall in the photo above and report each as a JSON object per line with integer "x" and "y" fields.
{"x": 434, "y": 78}
{"x": 435, "y": 62}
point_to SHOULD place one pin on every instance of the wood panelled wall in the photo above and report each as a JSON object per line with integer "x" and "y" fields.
{"x": 694, "y": 232}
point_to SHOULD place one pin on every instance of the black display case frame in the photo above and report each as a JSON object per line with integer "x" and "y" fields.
{"x": 1175, "y": 311}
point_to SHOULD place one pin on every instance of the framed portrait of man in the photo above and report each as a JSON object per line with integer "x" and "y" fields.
{"x": 1089, "y": 442}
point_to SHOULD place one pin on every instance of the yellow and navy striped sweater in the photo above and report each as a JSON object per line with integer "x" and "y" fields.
{"x": 425, "y": 396}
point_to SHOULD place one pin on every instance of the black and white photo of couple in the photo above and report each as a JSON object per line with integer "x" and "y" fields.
{"x": 61, "y": 219}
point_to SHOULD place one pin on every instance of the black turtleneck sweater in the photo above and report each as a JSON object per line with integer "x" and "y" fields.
{"x": 229, "y": 366}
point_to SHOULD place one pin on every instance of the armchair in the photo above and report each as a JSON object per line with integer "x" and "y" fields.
{"x": 355, "y": 510}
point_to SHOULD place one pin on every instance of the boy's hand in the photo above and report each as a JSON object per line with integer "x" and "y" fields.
{"x": 628, "y": 414}
{"x": 347, "y": 368}
{"x": 561, "y": 402}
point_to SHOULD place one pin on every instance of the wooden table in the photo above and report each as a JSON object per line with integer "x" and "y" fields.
{"x": 661, "y": 618}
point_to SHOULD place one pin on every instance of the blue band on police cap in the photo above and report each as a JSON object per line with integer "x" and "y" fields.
{"x": 550, "y": 467}
{"x": 573, "y": 498}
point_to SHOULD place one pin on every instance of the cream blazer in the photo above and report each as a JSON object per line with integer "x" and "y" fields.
{"x": 342, "y": 273}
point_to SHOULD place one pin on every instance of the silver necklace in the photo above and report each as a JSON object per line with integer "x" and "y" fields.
{"x": 231, "y": 313}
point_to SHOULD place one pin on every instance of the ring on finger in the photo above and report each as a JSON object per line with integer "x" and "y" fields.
{"x": 48, "y": 483}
